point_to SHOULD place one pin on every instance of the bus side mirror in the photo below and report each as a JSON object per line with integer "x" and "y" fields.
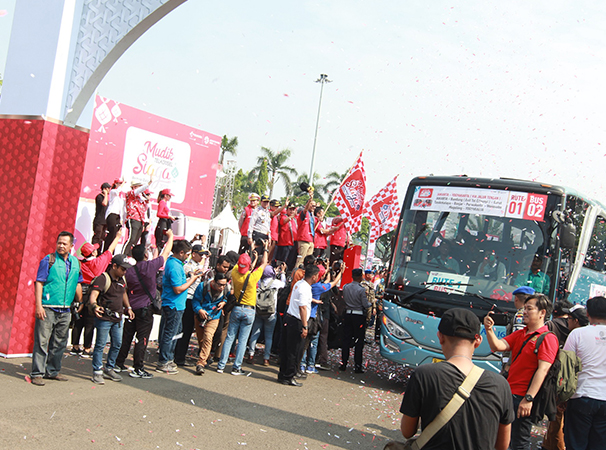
{"x": 568, "y": 234}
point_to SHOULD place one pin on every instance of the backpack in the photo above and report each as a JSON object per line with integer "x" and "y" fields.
{"x": 266, "y": 300}
{"x": 565, "y": 369}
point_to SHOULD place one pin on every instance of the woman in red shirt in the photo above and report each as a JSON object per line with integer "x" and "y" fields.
{"x": 165, "y": 220}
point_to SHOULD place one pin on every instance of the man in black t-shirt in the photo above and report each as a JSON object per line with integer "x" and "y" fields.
{"x": 99, "y": 224}
{"x": 484, "y": 420}
{"x": 108, "y": 303}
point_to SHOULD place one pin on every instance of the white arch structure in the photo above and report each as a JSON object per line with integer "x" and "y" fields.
{"x": 54, "y": 70}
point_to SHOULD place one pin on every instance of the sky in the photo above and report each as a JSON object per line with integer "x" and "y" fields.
{"x": 483, "y": 88}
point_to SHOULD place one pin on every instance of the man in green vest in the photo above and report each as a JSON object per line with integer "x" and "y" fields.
{"x": 57, "y": 286}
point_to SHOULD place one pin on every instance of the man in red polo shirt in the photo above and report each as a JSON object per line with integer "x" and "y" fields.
{"x": 528, "y": 370}
{"x": 306, "y": 230}
{"x": 287, "y": 234}
{"x": 244, "y": 221}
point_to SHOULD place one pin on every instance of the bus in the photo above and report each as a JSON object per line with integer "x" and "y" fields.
{"x": 470, "y": 242}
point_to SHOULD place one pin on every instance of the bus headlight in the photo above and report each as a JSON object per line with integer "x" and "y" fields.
{"x": 395, "y": 329}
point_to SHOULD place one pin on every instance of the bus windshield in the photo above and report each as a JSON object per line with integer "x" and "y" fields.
{"x": 457, "y": 242}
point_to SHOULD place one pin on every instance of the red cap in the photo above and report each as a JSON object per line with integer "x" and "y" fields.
{"x": 119, "y": 180}
{"x": 243, "y": 263}
{"x": 166, "y": 192}
{"x": 87, "y": 249}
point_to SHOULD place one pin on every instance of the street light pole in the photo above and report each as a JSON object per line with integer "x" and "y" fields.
{"x": 323, "y": 79}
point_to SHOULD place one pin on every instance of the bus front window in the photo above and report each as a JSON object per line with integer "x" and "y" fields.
{"x": 479, "y": 254}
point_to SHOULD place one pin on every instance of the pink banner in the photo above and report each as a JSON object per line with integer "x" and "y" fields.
{"x": 133, "y": 144}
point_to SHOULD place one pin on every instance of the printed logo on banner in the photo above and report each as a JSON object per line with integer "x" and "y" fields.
{"x": 383, "y": 211}
{"x": 147, "y": 153}
{"x": 425, "y": 193}
{"x": 354, "y": 191}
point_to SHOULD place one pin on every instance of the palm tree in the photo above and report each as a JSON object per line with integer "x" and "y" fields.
{"x": 228, "y": 146}
{"x": 276, "y": 168}
{"x": 319, "y": 188}
{"x": 334, "y": 180}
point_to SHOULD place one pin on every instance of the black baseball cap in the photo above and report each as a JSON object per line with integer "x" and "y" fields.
{"x": 197, "y": 249}
{"x": 459, "y": 322}
{"x": 124, "y": 261}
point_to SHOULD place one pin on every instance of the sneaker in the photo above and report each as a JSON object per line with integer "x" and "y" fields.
{"x": 266, "y": 362}
{"x": 98, "y": 378}
{"x": 86, "y": 354}
{"x": 140, "y": 373}
{"x": 120, "y": 368}
{"x": 238, "y": 372}
{"x": 199, "y": 369}
{"x": 185, "y": 364}
{"x": 302, "y": 369}
{"x": 75, "y": 351}
{"x": 219, "y": 370}
{"x": 37, "y": 381}
{"x": 172, "y": 364}
{"x": 323, "y": 367}
{"x": 111, "y": 374}
{"x": 167, "y": 368}
{"x": 57, "y": 377}
{"x": 312, "y": 369}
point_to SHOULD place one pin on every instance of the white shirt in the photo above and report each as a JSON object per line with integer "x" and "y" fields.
{"x": 301, "y": 296}
{"x": 589, "y": 343}
{"x": 115, "y": 204}
{"x": 260, "y": 221}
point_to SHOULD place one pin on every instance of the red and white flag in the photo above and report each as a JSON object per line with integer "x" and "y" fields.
{"x": 383, "y": 210}
{"x": 349, "y": 198}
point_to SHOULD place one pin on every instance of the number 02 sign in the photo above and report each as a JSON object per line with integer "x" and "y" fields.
{"x": 523, "y": 205}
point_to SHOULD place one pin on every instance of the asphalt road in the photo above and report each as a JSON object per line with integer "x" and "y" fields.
{"x": 213, "y": 411}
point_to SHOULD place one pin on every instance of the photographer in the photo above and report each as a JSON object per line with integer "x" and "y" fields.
{"x": 108, "y": 302}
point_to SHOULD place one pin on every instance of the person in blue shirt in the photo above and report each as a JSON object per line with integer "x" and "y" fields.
{"x": 174, "y": 297}
{"x": 207, "y": 303}
{"x": 57, "y": 286}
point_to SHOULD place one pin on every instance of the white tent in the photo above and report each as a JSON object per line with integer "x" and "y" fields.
{"x": 226, "y": 223}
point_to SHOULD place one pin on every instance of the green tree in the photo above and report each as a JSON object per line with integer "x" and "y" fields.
{"x": 360, "y": 237}
{"x": 318, "y": 187}
{"x": 333, "y": 181}
{"x": 277, "y": 168}
{"x": 244, "y": 184}
{"x": 228, "y": 146}
{"x": 262, "y": 176}
{"x": 384, "y": 246}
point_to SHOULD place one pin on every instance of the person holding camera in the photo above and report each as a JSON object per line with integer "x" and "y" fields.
{"x": 208, "y": 301}
{"x": 108, "y": 300}
{"x": 195, "y": 263}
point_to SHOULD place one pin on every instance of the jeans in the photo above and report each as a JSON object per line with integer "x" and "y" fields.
{"x": 309, "y": 357}
{"x": 520, "y": 428}
{"x": 50, "y": 341}
{"x": 170, "y": 327}
{"x": 585, "y": 424}
{"x": 142, "y": 325}
{"x": 268, "y": 323}
{"x": 240, "y": 323}
{"x": 114, "y": 330}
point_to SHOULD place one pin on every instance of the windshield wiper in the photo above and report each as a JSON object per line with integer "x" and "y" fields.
{"x": 489, "y": 301}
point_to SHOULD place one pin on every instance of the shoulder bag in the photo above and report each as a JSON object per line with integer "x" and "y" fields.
{"x": 156, "y": 302}
{"x": 232, "y": 301}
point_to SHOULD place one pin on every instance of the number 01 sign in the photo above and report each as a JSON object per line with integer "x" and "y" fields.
{"x": 523, "y": 205}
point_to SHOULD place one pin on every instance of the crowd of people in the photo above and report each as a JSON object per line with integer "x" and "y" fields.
{"x": 283, "y": 288}
{"x": 499, "y": 410}
{"x": 279, "y": 289}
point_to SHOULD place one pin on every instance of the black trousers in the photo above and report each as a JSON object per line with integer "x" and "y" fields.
{"x": 86, "y": 322}
{"x": 141, "y": 325}
{"x": 187, "y": 329}
{"x": 322, "y": 356}
{"x": 99, "y": 235}
{"x": 291, "y": 347}
{"x": 336, "y": 253}
{"x": 163, "y": 225}
{"x": 354, "y": 329}
{"x": 113, "y": 225}
{"x": 135, "y": 229}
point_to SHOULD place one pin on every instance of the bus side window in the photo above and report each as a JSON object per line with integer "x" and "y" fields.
{"x": 594, "y": 258}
